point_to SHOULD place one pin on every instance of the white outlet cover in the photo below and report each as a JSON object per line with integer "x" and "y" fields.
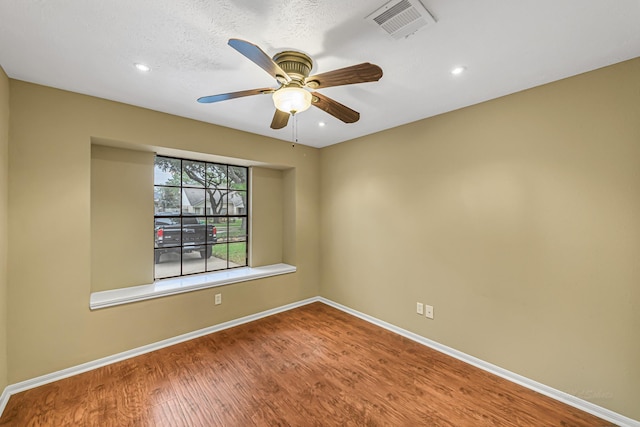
{"x": 419, "y": 308}
{"x": 428, "y": 311}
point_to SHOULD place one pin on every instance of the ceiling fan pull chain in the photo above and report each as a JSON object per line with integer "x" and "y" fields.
{"x": 294, "y": 130}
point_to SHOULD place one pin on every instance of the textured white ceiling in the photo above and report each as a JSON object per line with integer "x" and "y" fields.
{"x": 90, "y": 46}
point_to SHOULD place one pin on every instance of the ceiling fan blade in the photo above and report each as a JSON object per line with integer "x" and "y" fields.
{"x": 360, "y": 73}
{"x": 334, "y": 108}
{"x": 261, "y": 59}
{"x": 280, "y": 119}
{"x": 232, "y": 95}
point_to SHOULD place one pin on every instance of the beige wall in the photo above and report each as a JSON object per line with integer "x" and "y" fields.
{"x": 517, "y": 219}
{"x": 50, "y": 326}
{"x": 121, "y": 217}
{"x": 267, "y": 204}
{"x": 4, "y": 211}
{"x": 289, "y": 217}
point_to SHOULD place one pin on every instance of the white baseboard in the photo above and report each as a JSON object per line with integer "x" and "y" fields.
{"x": 563, "y": 397}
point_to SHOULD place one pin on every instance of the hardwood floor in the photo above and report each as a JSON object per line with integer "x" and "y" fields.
{"x": 311, "y": 366}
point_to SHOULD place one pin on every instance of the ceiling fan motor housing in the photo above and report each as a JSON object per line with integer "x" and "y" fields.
{"x": 296, "y": 64}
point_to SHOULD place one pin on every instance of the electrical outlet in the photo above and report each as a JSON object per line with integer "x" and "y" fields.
{"x": 218, "y": 299}
{"x": 419, "y": 308}
{"x": 428, "y": 311}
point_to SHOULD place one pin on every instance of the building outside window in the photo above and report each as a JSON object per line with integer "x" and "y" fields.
{"x": 200, "y": 216}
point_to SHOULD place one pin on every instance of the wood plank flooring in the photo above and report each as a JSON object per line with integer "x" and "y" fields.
{"x": 311, "y": 366}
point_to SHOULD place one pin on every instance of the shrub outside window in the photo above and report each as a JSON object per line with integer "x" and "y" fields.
{"x": 201, "y": 216}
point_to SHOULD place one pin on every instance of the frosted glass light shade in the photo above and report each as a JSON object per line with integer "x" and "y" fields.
{"x": 292, "y": 99}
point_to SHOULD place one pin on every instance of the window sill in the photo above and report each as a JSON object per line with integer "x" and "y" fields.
{"x": 179, "y": 285}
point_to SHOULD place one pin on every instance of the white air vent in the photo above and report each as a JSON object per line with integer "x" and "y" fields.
{"x": 401, "y": 18}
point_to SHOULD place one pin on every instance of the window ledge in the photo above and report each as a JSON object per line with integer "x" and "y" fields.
{"x": 178, "y": 285}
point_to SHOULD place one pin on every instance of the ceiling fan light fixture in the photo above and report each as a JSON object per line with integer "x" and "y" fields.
{"x": 292, "y": 100}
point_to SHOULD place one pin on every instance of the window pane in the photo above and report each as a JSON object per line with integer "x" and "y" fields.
{"x": 194, "y": 231}
{"x": 193, "y": 173}
{"x": 166, "y": 200}
{"x": 217, "y": 176}
{"x": 167, "y": 233}
{"x": 193, "y": 259}
{"x": 216, "y": 202}
{"x": 221, "y": 223}
{"x": 218, "y": 259}
{"x": 237, "y": 178}
{"x": 237, "y": 254}
{"x": 167, "y": 263}
{"x": 166, "y": 171}
{"x": 237, "y": 229}
{"x": 193, "y": 201}
{"x": 236, "y": 203}
{"x": 217, "y": 229}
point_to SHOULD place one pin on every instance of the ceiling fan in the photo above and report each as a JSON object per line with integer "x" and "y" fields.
{"x": 295, "y": 92}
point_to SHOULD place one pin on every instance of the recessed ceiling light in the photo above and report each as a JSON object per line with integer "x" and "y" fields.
{"x": 142, "y": 67}
{"x": 456, "y": 71}
{"x": 322, "y": 124}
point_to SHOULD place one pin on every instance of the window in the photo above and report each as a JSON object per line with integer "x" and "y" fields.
{"x": 200, "y": 217}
